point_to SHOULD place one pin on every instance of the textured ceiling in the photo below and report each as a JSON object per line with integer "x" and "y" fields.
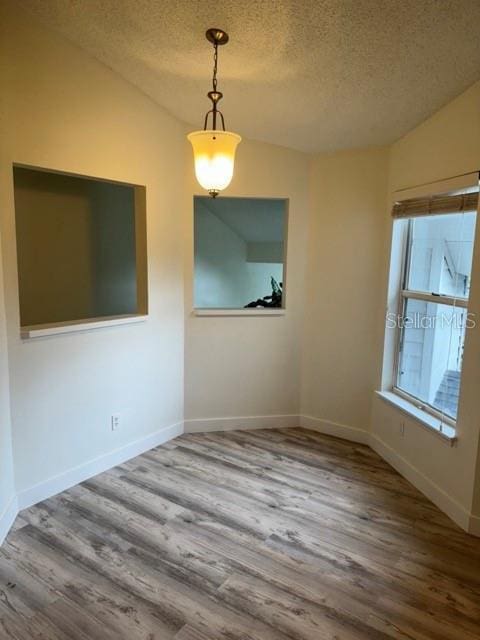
{"x": 315, "y": 75}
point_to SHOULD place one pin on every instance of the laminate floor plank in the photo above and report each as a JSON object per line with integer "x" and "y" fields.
{"x": 344, "y": 595}
{"x": 189, "y": 633}
{"x": 165, "y": 544}
{"x": 267, "y": 482}
{"x": 313, "y": 461}
{"x": 20, "y": 592}
{"x": 280, "y": 534}
{"x": 121, "y": 614}
{"x": 324, "y": 515}
{"x": 341, "y": 577}
{"x": 420, "y": 514}
{"x": 301, "y": 618}
{"x": 293, "y": 474}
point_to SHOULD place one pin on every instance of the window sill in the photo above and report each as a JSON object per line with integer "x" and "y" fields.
{"x": 239, "y": 312}
{"x": 436, "y": 426}
{"x": 55, "y": 328}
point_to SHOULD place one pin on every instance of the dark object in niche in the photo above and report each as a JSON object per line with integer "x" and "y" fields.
{"x": 273, "y": 301}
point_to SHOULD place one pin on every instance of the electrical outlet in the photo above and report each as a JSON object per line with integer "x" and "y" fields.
{"x": 115, "y": 421}
{"x": 402, "y": 429}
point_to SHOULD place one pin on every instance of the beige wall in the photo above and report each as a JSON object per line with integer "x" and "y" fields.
{"x": 443, "y": 146}
{"x": 340, "y": 349}
{"x": 446, "y": 145}
{"x": 66, "y": 111}
{"x": 250, "y": 366}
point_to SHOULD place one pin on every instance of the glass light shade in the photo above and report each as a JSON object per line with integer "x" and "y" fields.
{"x": 214, "y": 156}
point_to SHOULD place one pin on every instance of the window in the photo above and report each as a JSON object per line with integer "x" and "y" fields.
{"x": 81, "y": 248}
{"x": 432, "y": 319}
{"x": 239, "y": 253}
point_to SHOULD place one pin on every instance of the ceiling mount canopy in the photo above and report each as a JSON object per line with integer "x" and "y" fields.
{"x": 214, "y": 149}
{"x": 216, "y": 36}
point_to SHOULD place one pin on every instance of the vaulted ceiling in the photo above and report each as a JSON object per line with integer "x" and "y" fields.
{"x": 314, "y": 75}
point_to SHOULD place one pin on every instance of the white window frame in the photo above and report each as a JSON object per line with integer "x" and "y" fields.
{"x": 398, "y": 295}
{"x": 432, "y": 298}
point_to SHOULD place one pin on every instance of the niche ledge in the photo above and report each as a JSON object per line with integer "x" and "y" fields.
{"x": 239, "y": 312}
{"x": 43, "y": 330}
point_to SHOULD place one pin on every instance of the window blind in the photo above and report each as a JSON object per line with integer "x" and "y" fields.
{"x": 435, "y": 205}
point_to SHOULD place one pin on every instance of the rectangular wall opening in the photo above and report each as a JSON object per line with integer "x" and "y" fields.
{"x": 240, "y": 249}
{"x": 81, "y": 248}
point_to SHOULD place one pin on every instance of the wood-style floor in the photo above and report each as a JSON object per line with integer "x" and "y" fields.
{"x": 261, "y": 535}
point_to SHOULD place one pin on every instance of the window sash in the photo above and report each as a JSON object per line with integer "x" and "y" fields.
{"x": 425, "y": 406}
{"x": 429, "y": 296}
{"x": 419, "y": 402}
{"x": 436, "y": 298}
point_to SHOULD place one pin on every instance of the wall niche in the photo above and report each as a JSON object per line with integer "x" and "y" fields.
{"x": 81, "y": 248}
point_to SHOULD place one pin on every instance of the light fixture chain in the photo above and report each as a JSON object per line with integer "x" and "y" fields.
{"x": 215, "y": 61}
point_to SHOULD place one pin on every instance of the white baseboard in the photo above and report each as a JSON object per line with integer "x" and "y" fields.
{"x": 7, "y": 518}
{"x": 245, "y": 423}
{"x": 335, "y": 429}
{"x": 61, "y": 482}
{"x": 199, "y": 425}
{"x": 436, "y": 494}
{"x": 70, "y": 478}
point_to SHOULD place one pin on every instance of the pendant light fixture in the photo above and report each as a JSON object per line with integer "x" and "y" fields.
{"x": 214, "y": 149}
